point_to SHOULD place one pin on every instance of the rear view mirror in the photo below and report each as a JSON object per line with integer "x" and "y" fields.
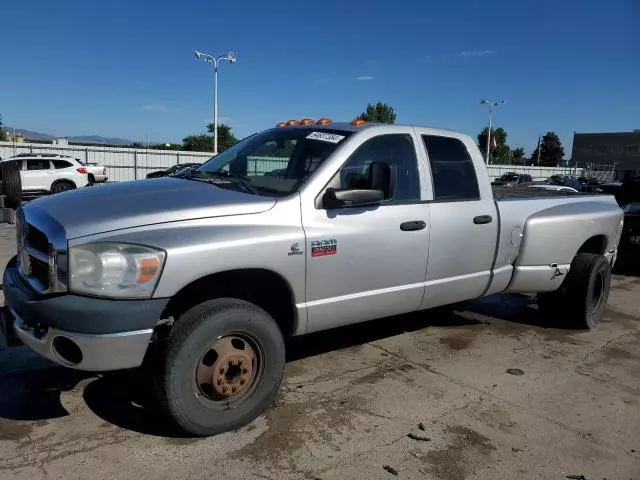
{"x": 334, "y": 198}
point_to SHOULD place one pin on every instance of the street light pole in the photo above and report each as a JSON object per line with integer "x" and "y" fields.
{"x": 491, "y": 103}
{"x": 231, "y": 58}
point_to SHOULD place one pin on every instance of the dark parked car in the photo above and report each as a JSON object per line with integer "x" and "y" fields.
{"x": 588, "y": 184}
{"x": 511, "y": 179}
{"x": 172, "y": 170}
{"x": 630, "y": 239}
{"x": 565, "y": 181}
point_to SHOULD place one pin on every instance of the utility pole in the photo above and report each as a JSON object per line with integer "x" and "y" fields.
{"x": 231, "y": 58}
{"x": 539, "y": 142}
{"x": 491, "y": 103}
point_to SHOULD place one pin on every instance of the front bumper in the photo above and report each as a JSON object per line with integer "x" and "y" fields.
{"x": 80, "y": 332}
{"x": 83, "y": 351}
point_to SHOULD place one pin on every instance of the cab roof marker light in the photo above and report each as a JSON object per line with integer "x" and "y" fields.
{"x": 323, "y": 121}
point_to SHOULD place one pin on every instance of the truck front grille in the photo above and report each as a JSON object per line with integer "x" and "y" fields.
{"x": 40, "y": 254}
{"x": 36, "y": 239}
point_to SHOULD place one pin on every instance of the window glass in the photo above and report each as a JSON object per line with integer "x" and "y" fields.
{"x": 61, "y": 164}
{"x": 454, "y": 175}
{"x": 397, "y": 151}
{"x": 277, "y": 161}
{"x": 38, "y": 165}
{"x": 601, "y": 149}
{"x": 633, "y": 149}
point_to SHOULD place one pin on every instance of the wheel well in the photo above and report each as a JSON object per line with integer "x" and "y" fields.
{"x": 264, "y": 288}
{"x": 62, "y": 180}
{"x": 596, "y": 244}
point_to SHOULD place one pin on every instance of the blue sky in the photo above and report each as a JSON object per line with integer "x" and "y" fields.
{"x": 125, "y": 67}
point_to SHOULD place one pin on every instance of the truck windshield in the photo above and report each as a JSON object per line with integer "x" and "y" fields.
{"x": 274, "y": 162}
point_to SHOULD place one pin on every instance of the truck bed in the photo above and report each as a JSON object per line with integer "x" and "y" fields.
{"x": 507, "y": 193}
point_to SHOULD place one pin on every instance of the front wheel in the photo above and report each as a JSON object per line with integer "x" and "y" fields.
{"x": 582, "y": 299}
{"x": 222, "y": 367}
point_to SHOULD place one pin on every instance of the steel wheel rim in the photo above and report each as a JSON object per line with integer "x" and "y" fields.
{"x": 219, "y": 368}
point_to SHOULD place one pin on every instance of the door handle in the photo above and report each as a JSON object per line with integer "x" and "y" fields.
{"x": 412, "y": 226}
{"x": 482, "y": 219}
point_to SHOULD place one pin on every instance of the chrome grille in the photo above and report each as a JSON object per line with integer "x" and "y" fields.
{"x": 42, "y": 251}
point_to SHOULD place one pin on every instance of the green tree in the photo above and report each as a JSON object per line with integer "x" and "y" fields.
{"x": 204, "y": 142}
{"x": 517, "y": 155}
{"x": 198, "y": 143}
{"x": 1, "y": 128}
{"x": 378, "y": 113}
{"x": 502, "y": 153}
{"x": 225, "y": 137}
{"x": 166, "y": 146}
{"x": 551, "y": 151}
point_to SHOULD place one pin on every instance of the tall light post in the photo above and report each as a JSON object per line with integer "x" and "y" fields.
{"x": 491, "y": 103}
{"x": 231, "y": 58}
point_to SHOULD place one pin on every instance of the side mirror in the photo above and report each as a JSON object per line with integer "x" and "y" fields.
{"x": 334, "y": 198}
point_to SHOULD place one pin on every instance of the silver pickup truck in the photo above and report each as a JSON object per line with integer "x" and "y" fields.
{"x": 300, "y": 228}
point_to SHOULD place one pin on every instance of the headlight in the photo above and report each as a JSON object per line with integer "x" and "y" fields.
{"x": 116, "y": 270}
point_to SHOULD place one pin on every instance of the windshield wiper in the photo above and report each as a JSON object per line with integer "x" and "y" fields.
{"x": 233, "y": 177}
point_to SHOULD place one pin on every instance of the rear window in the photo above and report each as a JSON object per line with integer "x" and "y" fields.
{"x": 57, "y": 164}
{"x": 452, "y": 169}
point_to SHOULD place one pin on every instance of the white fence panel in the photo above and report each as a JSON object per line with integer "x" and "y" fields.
{"x": 134, "y": 163}
{"x": 538, "y": 173}
{"x": 122, "y": 163}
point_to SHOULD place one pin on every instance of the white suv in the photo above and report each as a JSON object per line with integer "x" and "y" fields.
{"x": 48, "y": 173}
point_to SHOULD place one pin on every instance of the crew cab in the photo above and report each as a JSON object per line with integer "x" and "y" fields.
{"x": 206, "y": 274}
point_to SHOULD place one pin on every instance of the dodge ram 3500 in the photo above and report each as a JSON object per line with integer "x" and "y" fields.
{"x": 208, "y": 273}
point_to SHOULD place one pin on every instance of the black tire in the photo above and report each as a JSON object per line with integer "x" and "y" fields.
{"x": 203, "y": 411}
{"x": 11, "y": 184}
{"x": 62, "y": 186}
{"x": 582, "y": 299}
{"x": 92, "y": 179}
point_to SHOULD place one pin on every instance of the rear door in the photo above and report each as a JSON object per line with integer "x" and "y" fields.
{"x": 65, "y": 169}
{"x": 464, "y": 223}
{"x": 36, "y": 174}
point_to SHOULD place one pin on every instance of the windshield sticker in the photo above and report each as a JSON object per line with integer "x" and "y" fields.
{"x": 322, "y": 248}
{"x": 326, "y": 137}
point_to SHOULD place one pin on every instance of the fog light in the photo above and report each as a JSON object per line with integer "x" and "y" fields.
{"x": 67, "y": 350}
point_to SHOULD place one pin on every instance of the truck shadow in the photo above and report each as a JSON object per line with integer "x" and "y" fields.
{"x": 126, "y": 398}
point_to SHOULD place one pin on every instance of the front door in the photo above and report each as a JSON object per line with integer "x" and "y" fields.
{"x": 368, "y": 262}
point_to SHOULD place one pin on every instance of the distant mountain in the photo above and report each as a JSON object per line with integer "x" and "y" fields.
{"x": 100, "y": 140}
{"x": 94, "y": 139}
{"x": 29, "y": 135}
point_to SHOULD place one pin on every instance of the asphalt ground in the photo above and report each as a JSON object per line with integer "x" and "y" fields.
{"x": 486, "y": 390}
